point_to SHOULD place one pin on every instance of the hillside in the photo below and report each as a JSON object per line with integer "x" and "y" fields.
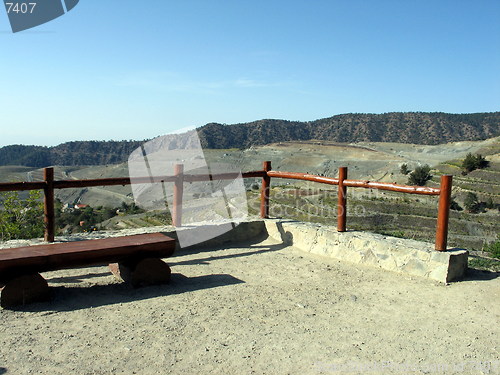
{"x": 408, "y": 127}
{"x": 70, "y": 153}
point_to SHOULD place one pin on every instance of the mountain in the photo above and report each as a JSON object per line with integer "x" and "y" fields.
{"x": 70, "y": 153}
{"x": 401, "y": 127}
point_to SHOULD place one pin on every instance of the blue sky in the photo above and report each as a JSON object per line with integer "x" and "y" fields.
{"x": 134, "y": 70}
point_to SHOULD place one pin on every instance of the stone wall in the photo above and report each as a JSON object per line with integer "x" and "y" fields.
{"x": 400, "y": 255}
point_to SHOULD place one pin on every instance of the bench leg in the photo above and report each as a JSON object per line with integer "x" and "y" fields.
{"x": 24, "y": 289}
{"x": 149, "y": 271}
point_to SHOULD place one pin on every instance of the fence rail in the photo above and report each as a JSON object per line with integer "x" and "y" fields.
{"x": 179, "y": 177}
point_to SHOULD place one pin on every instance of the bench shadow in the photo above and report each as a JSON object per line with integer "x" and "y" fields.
{"x": 77, "y": 298}
{"x": 77, "y": 279}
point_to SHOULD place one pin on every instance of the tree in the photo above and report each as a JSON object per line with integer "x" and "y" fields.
{"x": 21, "y": 218}
{"x": 404, "y": 169}
{"x": 454, "y": 205}
{"x": 489, "y": 203}
{"x": 471, "y": 203}
{"x": 472, "y": 162}
{"x": 420, "y": 176}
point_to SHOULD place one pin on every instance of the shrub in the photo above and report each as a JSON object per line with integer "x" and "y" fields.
{"x": 21, "y": 219}
{"x": 472, "y": 162}
{"x": 420, "y": 176}
{"x": 493, "y": 248}
{"x": 471, "y": 203}
{"x": 454, "y": 205}
{"x": 404, "y": 169}
{"x": 489, "y": 203}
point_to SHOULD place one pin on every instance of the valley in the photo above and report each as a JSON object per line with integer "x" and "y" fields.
{"x": 394, "y": 214}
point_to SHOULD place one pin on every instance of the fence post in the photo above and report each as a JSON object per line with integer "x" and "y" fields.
{"x": 178, "y": 192}
{"x": 342, "y": 197}
{"x": 443, "y": 212}
{"x": 264, "y": 191}
{"x": 48, "y": 204}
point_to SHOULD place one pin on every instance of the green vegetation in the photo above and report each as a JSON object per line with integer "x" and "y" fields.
{"x": 21, "y": 218}
{"x": 70, "y": 153}
{"x": 87, "y": 218}
{"x": 401, "y": 127}
{"x": 489, "y": 203}
{"x": 484, "y": 264}
{"x": 471, "y": 203}
{"x": 420, "y": 176}
{"x": 404, "y": 169}
{"x": 130, "y": 209}
{"x": 473, "y": 162}
{"x": 454, "y": 205}
{"x": 493, "y": 248}
{"x": 394, "y": 233}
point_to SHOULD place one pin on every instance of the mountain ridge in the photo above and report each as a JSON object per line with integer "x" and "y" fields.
{"x": 428, "y": 128}
{"x": 402, "y": 127}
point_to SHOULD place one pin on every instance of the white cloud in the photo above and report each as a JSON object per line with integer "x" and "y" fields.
{"x": 171, "y": 82}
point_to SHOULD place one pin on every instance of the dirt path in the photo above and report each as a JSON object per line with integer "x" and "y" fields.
{"x": 256, "y": 309}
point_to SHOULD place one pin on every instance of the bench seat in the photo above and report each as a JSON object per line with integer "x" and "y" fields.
{"x": 131, "y": 258}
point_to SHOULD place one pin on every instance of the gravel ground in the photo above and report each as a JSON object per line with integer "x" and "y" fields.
{"x": 256, "y": 308}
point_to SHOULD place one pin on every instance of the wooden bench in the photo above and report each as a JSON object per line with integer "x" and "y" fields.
{"x": 133, "y": 259}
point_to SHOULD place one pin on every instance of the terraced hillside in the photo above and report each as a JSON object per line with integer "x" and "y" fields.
{"x": 386, "y": 212}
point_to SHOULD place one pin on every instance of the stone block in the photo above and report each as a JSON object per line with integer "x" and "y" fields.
{"x": 23, "y": 290}
{"x": 400, "y": 255}
{"x": 144, "y": 272}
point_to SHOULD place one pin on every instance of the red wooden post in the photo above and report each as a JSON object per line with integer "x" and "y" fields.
{"x": 342, "y": 197}
{"x": 178, "y": 192}
{"x": 264, "y": 191}
{"x": 443, "y": 213}
{"x": 48, "y": 204}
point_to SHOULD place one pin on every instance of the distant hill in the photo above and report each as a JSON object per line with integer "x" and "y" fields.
{"x": 400, "y": 127}
{"x": 70, "y": 153}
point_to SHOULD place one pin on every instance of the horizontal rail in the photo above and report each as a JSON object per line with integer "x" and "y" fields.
{"x": 304, "y": 176}
{"x": 423, "y": 190}
{"x": 21, "y": 186}
{"x": 122, "y": 181}
{"x": 221, "y": 176}
{"x": 69, "y": 184}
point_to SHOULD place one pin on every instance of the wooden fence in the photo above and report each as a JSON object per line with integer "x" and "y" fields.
{"x": 49, "y": 185}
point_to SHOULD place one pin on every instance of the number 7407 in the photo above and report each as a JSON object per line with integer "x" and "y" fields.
{"x": 20, "y": 7}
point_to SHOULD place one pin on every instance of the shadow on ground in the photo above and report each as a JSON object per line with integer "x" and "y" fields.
{"x": 77, "y": 279}
{"x": 259, "y": 250}
{"x": 76, "y": 298}
{"x": 474, "y": 274}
